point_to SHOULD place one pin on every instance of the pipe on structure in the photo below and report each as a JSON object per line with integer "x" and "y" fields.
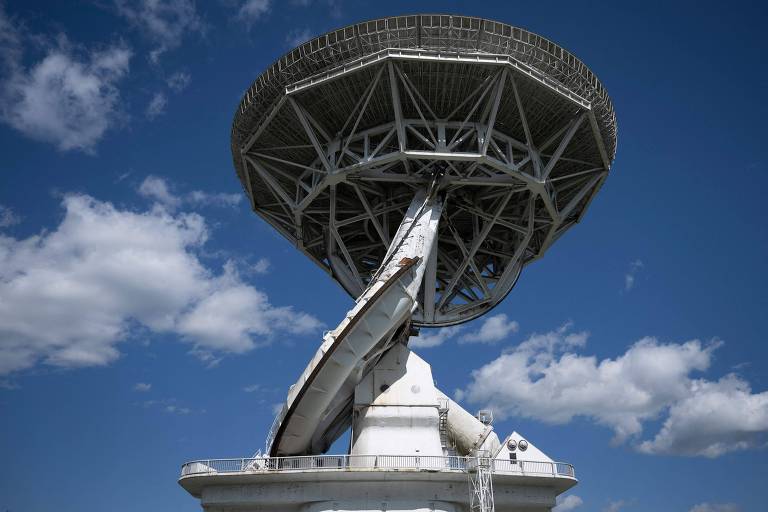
{"x": 468, "y": 433}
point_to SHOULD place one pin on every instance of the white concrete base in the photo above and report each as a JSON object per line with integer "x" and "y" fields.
{"x": 384, "y": 506}
{"x": 396, "y": 415}
{"x": 395, "y": 408}
{"x": 371, "y": 490}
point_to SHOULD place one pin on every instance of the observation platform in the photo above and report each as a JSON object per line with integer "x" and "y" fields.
{"x": 396, "y": 482}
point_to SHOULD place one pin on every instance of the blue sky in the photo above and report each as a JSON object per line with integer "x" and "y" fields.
{"x": 148, "y": 318}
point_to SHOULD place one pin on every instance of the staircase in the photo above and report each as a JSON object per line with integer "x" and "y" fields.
{"x": 445, "y": 440}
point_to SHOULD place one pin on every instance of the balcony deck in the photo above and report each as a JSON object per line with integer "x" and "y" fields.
{"x": 371, "y": 463}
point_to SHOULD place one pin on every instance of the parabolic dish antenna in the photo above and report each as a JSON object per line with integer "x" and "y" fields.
{"x": 422, "y": 161}
{"x": 332, "y": 141}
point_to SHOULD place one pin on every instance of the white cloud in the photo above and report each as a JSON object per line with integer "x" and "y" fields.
{"x": 179, "y": 81}
{"x": 494, "y": 329}
{"x": 69, "y": 98}
{"x": 716, "y": 507}
{"x": 233, "y": 315}
{"x": 252, "y": 10}
{"x": 156, "y": 106}
{"x": 170, "y": 406}
{"x": 614, "y": 506}
{"x": 70, "y": 295}
{"x": 9, "y": 385}
{"x": 159, "y": 190}
{"x": 715, "y": 418}
{"x": 545, "y": 379}
{"x": 142, "y": 387}
{"x": 8, "y": 217}
{"x": 568, "y": 503}
{"x": 252, "y": 388}
{"x": 164, "y": 22}
{"x": 334, "y": 6}
{"x": 296, "y": 36}
{"x": 214, "y": 198}
{"x": 261, "y": 266}
{"x": 433, "y": 338}
{"x": 175, "y": 409}
{"x": 629, "y": 278}
{"x": 10, "y": 39}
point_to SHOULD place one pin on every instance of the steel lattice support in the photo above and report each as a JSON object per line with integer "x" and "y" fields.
{"x": 345, "y": 151}
{"x": 481, "y": 484}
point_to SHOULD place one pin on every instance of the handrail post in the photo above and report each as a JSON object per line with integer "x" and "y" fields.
{"x": 371, "y": 462}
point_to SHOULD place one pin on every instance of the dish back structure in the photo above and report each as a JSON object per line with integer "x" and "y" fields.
{"x": 333, "y": 139}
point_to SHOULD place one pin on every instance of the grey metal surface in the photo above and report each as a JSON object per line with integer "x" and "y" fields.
{"x": 334, "y": 138}
{"x": 318, "y": 408}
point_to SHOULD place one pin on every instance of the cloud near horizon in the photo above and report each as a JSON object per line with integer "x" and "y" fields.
{"x": 70, "y": 295}
{"x": 568, "y": 503}
{"x": 545, "y": 378}
{"x": 158, "y": 189}
{"x": 716, "y": 507}
{"x": 493, "y": 329}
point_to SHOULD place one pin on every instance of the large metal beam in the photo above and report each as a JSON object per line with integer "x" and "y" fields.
{"x": 573, "y": 126}
{"x": 371, "y": 216}
{"x": 405, "y": 54}
{"x": 565, "y": 212}
{"x": 475, "y": 246}
{"x": 303, "y": 119}
{"x": 368, "y": 96}
{"x": 274, "y": 185}
{"x": 396, "y": 106}
{"x": 494, "y": 110}
{"x": 430, "y": 281}
{"x": 524, "y": 121}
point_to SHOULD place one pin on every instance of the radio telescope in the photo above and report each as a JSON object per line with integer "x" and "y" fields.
{"x": 421, "y": 161}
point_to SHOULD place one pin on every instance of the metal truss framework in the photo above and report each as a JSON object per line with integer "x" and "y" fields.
{"x": 462, "y": 37}
{"x": 518, "y": 161}
{"x": 481, "y": 484}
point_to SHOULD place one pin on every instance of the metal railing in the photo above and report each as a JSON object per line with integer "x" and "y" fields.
{"x": 372, "y": 463}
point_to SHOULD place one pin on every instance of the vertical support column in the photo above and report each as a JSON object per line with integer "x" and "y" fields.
{"x": 396, "y": 106}
{"x": 315, "y": 408}
{"x": 430, "y": 281}
{"x": 396, "y": 409}
{"x": 481, "y": 483}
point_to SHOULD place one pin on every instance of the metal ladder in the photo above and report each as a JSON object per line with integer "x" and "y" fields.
{"x": 445, "y": 440}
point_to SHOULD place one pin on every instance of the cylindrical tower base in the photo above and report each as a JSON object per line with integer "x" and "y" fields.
{"x": 383, "y": 506}
{"x": 369, "y": 490}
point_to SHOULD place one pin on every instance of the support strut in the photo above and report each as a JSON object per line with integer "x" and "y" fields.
{"x": 319, "y": 406}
